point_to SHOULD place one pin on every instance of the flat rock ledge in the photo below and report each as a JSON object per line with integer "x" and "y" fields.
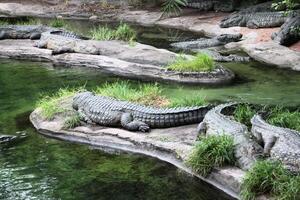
{"x": 125, "y": 62}
{"x": 171, "y": 145}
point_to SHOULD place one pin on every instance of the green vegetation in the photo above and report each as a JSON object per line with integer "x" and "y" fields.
{"x": 72, "y": 121}
{"x": 286, "y": 5}
{"x": 123, "y": 32}
{"x": 52, "y": 105}
{"x": 269, "y": 177}
{"x": 173, "y": 6}
{"x": 243, "y": 114}
{"x": 58, "y": 23}
{"x": 284, "y": 118}
{"x": 146, "y": 94}
{"x": 200, "y": 63}
{"x": 195, "y": 100}
{"x": 26, "y": 21}
{"x": 212, "y": 151}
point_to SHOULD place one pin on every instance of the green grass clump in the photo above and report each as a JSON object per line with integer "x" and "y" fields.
{"x": 284, "y": 118}
{"x": 3, "y": 22}
{"x": 58, "y": 23}
{"x": 200, "y": 63}
{"x": 72, "y": 121}
{"x": 123, "y": 32}
{"x": 212, "y": 151}
{"x": 147, "y": 94}
{"x": 52, "y": 105}
{"x": 243, "y": 114}
{"x": 270, "y": 177}
{"x": 195, "y": 100}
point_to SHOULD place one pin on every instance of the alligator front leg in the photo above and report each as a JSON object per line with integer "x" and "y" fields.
{"x": 35, "y": 36}
{"x": 130, "y": 124}
{"x": 268, "y": 144}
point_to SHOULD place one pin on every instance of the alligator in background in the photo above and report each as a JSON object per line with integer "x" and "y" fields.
{"x": 217, "y": 5}
{"x": 218, "y": 57}
{"x": 110, "y": 112}
{"x": 251, "y": 18}
{"x": 218, "y": 122}
{"x": 211, "y": 42}
{"x": 289, "y": 32}
{"x": 279, "y": 143}
{"x": 32, "y": 32}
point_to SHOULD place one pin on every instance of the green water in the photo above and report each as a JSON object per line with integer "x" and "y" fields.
{"x": 42, "y": 168}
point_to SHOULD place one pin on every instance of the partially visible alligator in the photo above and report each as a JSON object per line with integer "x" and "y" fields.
{"x": 32, "y": 32}
{"x": 205, "y": 43}
{"x": 217, "y": 5}
{"x": 279, "y": 143}
{"x": 7, "y": 138}
{"x": 217, "y": 122}
{"x": 257, "y": 19}
{"x": 289, "y": 32}
{"x": 12, "y": 139}
{"x": 107, "y": 111}
{"x": 225, "y": 58}
{"x": 61, "y": 42}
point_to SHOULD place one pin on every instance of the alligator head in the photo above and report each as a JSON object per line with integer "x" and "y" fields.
{"x": 232, "y": 20}
{"x": 227, "y": 38}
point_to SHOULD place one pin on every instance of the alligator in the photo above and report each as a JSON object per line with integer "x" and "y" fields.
{"x": 12, "y": 139}
{"x": 110, "y": 112}
{"x": 216, "y": 5}
{"x": 257, "y": 19}
{"x": 32, "y": 32}
{"x": 205, "y": 43}
{"x": 289, "y": 32}
{"x": 279, "y": 143}
{"x": 62, "y": 42}
{"x": 218, "y": 57}
{"x": 218, "y": 122}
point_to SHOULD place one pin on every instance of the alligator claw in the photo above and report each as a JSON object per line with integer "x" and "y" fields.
{"x": 144, "y": 128}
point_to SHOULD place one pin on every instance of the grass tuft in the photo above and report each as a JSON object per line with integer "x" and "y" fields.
{"x": 123, "y": 32}
{"x": 58, "y": 23}
{"x": 195, "y": 100}
{"x": 212, "y": 151}
{"x": 270, "y": 177}
{"x": 284, "y": 118}
{"x": 146, "y": 94}
{"x": 51, "y": 105}
{"x": 243, "y": 114}
{"x": 200, "y": 63}
{"x": 72, "y": 121}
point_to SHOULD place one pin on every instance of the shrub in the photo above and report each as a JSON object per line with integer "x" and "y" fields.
{"x": 58, "y": 23}
{"x": 243, "y": 114}
{"x": 200, "y": 63}
{"x": 270, "y": 177}
{"x": 284, "y": 118}
{"x": 173, "y": 6}
{"x": 212, "y": 151}
{"x": 123, "y": 32}
{"x": 51, "y": 105}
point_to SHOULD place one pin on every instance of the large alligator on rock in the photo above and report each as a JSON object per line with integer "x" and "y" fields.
{"x": 32, "y": 32}
{"x": 217, "y": 121}
{"x": 257, "y": 19}
{"x": 279, "y": 143}
{"x": 110, "y": 112}
{"x": 205, "y": 43}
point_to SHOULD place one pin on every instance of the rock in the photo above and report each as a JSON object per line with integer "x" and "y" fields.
{"x": 273, "y": 54}
{"x": 59, "y": 17}
{"x": 172, "y": 145}
{"x": 115, "y": 62}
{"x": 93, "y": 18}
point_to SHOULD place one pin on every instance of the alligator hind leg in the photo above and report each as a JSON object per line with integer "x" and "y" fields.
{"x": 133, "y": 125}
{"x": 3, "y": 35}
{"x": 35, "y": 36}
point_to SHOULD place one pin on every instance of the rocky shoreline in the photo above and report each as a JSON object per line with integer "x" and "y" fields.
{"x": 119, "y": 59}
{"x": 171, "y": 145}
{"x": 256, "y": 43}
